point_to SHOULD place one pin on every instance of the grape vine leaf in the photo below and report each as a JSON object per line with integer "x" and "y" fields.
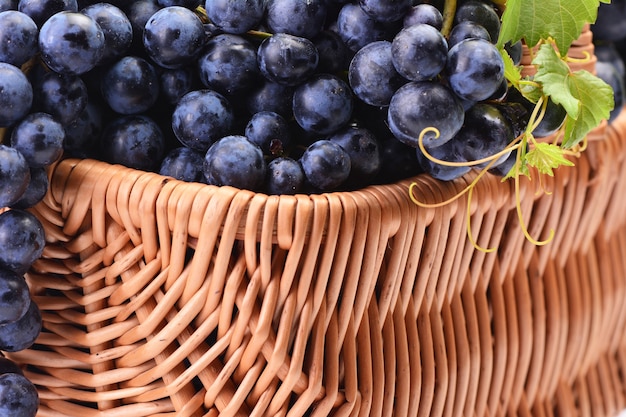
{"x": 586, "y": 98}
{"x": 534, "y": 20}
{"x": 512, "y": 72}
{"x": 546, "y": 157}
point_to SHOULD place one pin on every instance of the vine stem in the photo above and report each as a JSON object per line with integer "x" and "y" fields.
{"x": 449, "y": 10}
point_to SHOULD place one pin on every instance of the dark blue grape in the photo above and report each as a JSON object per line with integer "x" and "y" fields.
{"x": 71, "y": 43}
{"x": 83, "y": 134}
{"x": 64, "y": 96}
{"x": 190, "y": 4}
{"x": 303, "y": 18}
{"x": 235, "y": 161}
{"x": 36, "y": 190}
{"x": 515, "y": 51}
{"x": 372, "y": 75}
{"x": 201, "y": 117}
{"x": 467, "y": 30}
{"x": 22, "y": 333}
{"x": 134, "y": 141}
{"x": 14, "y": 296}
{"x": 423, "y": 14}
{"x": 417, "y": 106}
{"x": 173, "y": 37}
{"x": 326, "y": 165}
{"x": 7, "y": 366}
{"x": 552, "y": 119}
{"x": 228, "y": 64}
{"x": 287, "y": 59}
{"x": 8, "y": 5}
{"x": 333, "y": 52}
{"x": 16, "y": 94}
{"x": 607, "y": 72}
{"x": 130, "y": 86}
{"x": 235, "y": 16}
{"x": 18, "y": 396}
{"x": 117, "y": 29}
{"x": 270, "y": 131}
{"x": 358, "y": 29}
{"x": 42, "y": 10}
{"x": 323, "y": 104}
{"x": 482, "y": 13}
{"x": 447, "y": 152}
{"x": 184, "y": 164}
{"x": 175, "y": 83}
{"x": 386, "y": 11}
{"x": 270, "y": 96}
{"x": 398, "y": 161}
{"x": 419, "y": 52}
{"x": 138, "y": 12}
{"x": 14, "y": 175}
{"x": 475, "y": 69}
{"x": 284, "y": 176}
{"x": 608, "y": 52}
{"x": 39, "y": 137}
{"x": 22, "y": 239}
{"x": 19, "y": 37}
{"x": 364, "y": 151}
{"x": 610, "y": 23}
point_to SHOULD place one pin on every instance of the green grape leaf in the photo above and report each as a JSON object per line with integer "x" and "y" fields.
{"x": 512, "y": 72}
{"x": 553, "y": 74}
{"x": 534, "y": 20}
{"x": 531, "y": 91}
{"x": 546, "y": 157}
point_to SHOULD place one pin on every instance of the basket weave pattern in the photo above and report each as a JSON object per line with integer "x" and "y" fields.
{"x": 161, "y": 297}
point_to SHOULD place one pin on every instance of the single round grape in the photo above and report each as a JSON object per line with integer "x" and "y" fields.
{"x": 270, "y": 96}
{"x": 372, "y": 75}
{"x": 467, "y": 30}
{"x": 364, "y": 151}
{"x": 22, "y": 333}
{"x": 515, "y": 51}
{"x": 358, "y": 29}
{"x": 184, "y": 164}
{"x": 36, "y": 190}
{"x": 448, "y": 152}
{"x": 235, "y": 16}
{"x": 14, "y": 296}
{"x": 287, "y": 59}
{"x": 423, "y": 13}
{"x": 135, "y": 141}
{"x": 42, "y": 10}
{"x": 173, "y": 37}
{"x": 8, "y": 5}
{"x": 130, "y": 86}
{"x": 284, "y": 176}
{"x": 304, "y": 18}
{"x": 228, "y": 64}
{"x": 482, "y": 13}
{"x": 22, "y": 239}
{"x": 333, "y": 52}
{"x": 386, "y": 11}
{"x": 71, "y": 43}
{"x": 201, "y": 117}
{"x": 16, "y": 94}
{"x": 326, "y": 165}
{"x": 398, "y": 161}
{"x": 117, "y": 29}
{"x": 419, "y": 52}
{"x": 475, "y": 69}
{"x": 39, "y": 137}
{"x": 83, "y": 134}
{"x": 323, "y": 104}
{"x": 64, "y": 96}
{"x": 190, "y": 4}
{"x": 18, "y": 396}
{"x": 552, "y": 119}
{"x": 608, "y": 73}
{"x": 270, "y": 131}
{"x": 14, "y": 175}
{"x": 417, "y": 106}
{"x": 138, "y": 12}
{"x": 235, "y": 161}
{"x": 175, "y": 83}
{"x": 19, "y": 36}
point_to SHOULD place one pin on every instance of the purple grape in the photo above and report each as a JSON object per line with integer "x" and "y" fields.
{"x": 326, "y": 165}
{"x": 303, "y": 18}
{"x": 18, "y": 37}
{"x": 36, "y": 190}
{"x": 71, "y": 43}
{"x": 270, "y": 131}
{"x": 39, "y": 137}
{"x": 270, "y": 96}
{"x": 64, "y": 96}
{"x": 235, "y": 161}
{"x": 323, "y": 104}
{"x": 287, "y": 59}
{"x": 419, "y": 52}
{"x": 357, "y": 29}
{"x": 130, "y": 86}
{"x": 189, "y": 4}
{"x": 173, "y": 37}
{"x": 117, "y": 29}
{"x": 467, "y": 30}
{"x": 482, "y": 13}
{"x": 449, "y": 152}
{"x": 175, "y": 83}
{"x": 235, "y": 16}
{"x": 16, "y": 94}
{"x": 364, "y": 151}
{"x": 135, "y": 141}
{"x": 14, "y": 175}
{"x": 7, "y": 366}
{"x": 284, "y": 176}
{"x": 22, "y": 239}
{"x": 8, "y": 5}
{"x": 423, "y": 14}
{"x": 184, "y": 164}
{"x": 42, "y": 10}
{"x": 201, "y": 117}
{"x": 18, "y": 396}
{"x": 83, "y": 134}
{"x": 333, "y": 52}
{"x": 14, "y": 296}
{"x": 386, "y": 11}
{"x": 22, "y": 333}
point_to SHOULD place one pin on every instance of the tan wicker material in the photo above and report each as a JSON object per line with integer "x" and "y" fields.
{"x": 165, "y": 298}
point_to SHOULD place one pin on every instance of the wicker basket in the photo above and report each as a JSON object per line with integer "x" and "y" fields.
{"x": 161, "y": 297}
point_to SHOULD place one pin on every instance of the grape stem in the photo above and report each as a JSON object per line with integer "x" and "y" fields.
{"x": 449, "y": 10}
